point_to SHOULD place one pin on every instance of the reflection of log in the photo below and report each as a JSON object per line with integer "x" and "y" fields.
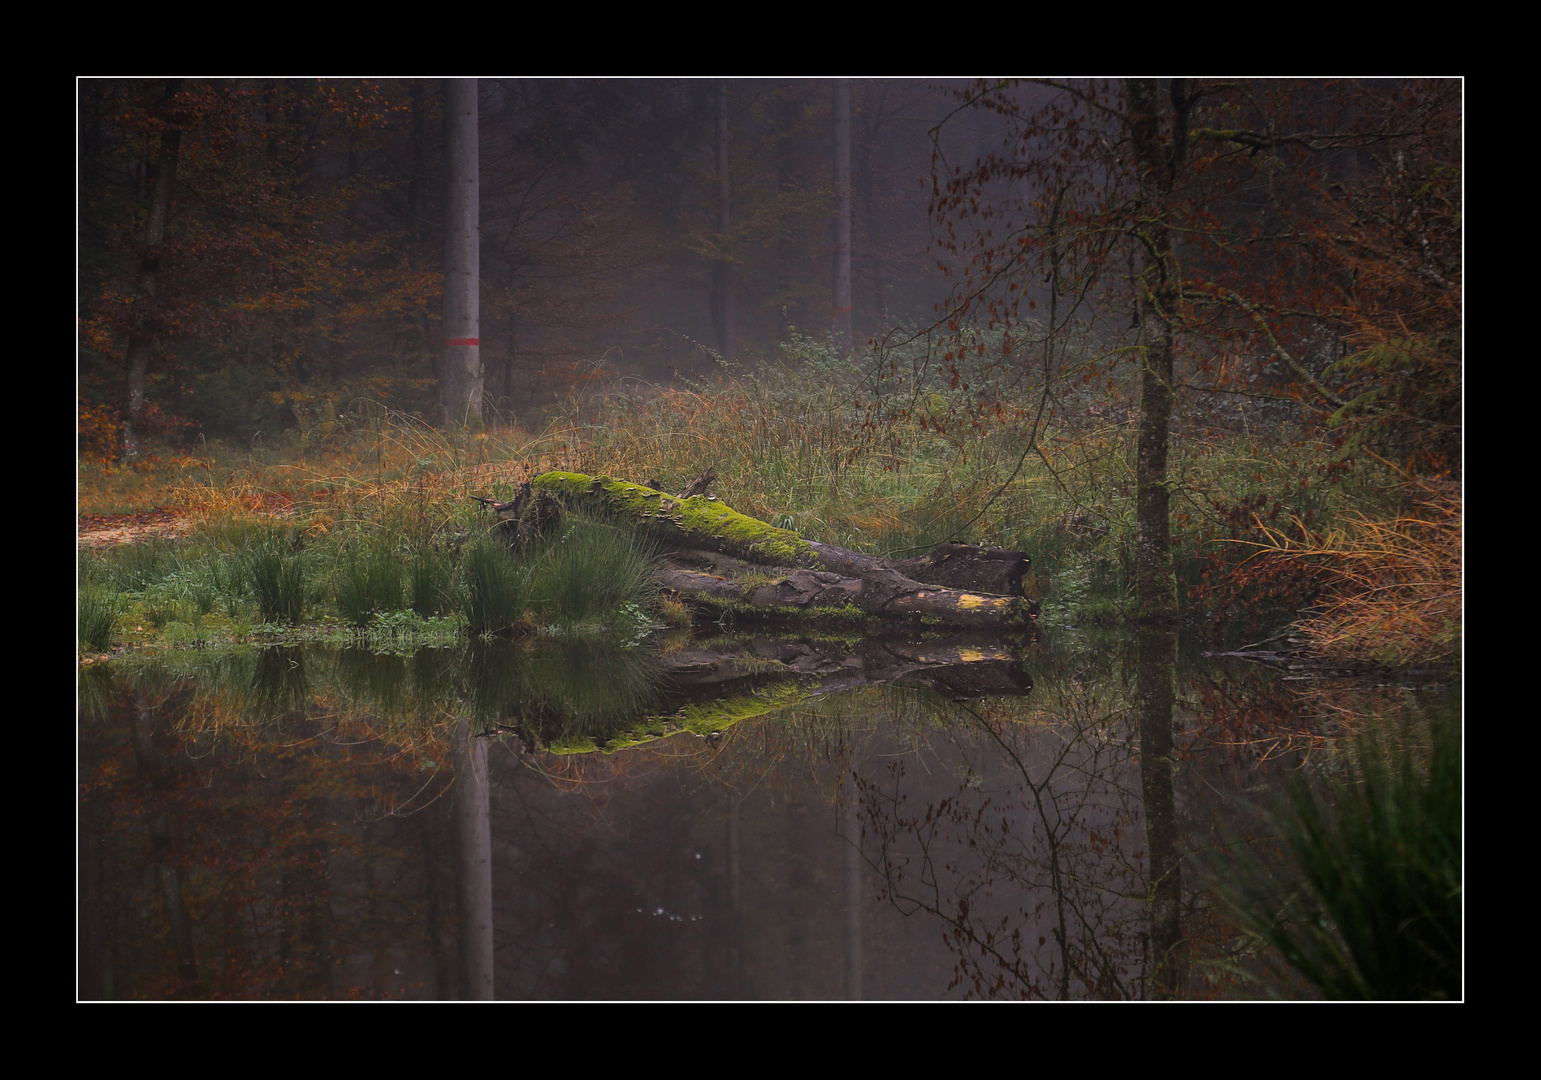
{"x": 709, "y": 688}
{"x": 724, "y": 558}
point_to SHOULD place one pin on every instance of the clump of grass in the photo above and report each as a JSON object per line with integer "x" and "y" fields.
{"x": 369, "y": 582}
{"x": 274, "y": 571}
{"x": 135, "y": 567}
{"x": 589, "y": 571}
{"x": 1370, "y": 905}
{"x": 97, "y": 616}
{"x": 1396, "y": 590}
{"x": 431, "y": 582}
{"x": 494, "y": 586}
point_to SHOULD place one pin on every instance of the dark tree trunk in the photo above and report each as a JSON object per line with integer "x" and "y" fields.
{"x": 842, "y": 322}
{"x": 460, "y": 376}
{"x": 722, "y": 266}
{"x": 147, "y": 324}
{"x": 1159, "y": 155}
{"x": 721, "y": 557}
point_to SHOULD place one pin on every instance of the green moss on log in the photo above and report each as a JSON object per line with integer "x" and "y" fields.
{"x": 699, "y": 521}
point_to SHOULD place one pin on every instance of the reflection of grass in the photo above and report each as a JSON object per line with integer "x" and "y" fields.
{"x": 1371, "y": 908}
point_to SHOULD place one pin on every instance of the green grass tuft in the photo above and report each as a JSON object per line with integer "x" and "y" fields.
{"x": 274, "y": 570}
{"x": 494, "y": 586}
{"x": 368, "y": 582}
{"x": 1370, "y": 906}
{"x": 97, "y": 614}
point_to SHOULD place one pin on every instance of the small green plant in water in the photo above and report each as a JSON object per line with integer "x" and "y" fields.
{"x": 431, "y": 583}
{"x": 591, "y": 572}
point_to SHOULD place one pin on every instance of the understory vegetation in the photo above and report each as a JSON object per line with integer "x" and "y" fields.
{"x": 1365, "y": 898}
{"x": 364, "y": 524}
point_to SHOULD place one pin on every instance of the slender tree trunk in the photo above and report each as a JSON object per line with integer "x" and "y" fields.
{"x": 1158, "y": 157}
{"x": 147, "y": 323}
{"x": 789, "y": 111}
{"x": 842, "y": 322}
{"x": 722, "y": 267}
{"x": 417, "y": 203}
{"x": 460, "y": 376}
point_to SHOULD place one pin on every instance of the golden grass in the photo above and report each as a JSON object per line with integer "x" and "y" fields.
{"x": 1396, "y": 584}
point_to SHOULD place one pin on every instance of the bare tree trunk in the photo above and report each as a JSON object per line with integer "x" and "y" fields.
{"x": 724, "y": 557}
{"x": 460, "y": 378}
{"x": 147, "y": 324}
{"x": 417, "y": 203}
{"x": 722, "y": 267}
{"x": 842, "y": 321}
{"x": 1158, "y": 157}
{"x": 789, "y": 111}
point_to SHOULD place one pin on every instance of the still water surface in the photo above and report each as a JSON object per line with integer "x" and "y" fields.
{"x": 735, "y": 818}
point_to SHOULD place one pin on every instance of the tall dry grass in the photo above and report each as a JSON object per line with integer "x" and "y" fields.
{"x": 1394, "y": 584}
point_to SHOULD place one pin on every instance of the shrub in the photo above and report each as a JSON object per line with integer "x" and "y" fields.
{"x": 591, "y": 570}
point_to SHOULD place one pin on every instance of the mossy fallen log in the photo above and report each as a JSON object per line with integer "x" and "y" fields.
{"x": 722, "y": 558}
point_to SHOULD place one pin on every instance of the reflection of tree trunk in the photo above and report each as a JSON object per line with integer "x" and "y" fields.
{"x": 734, "y": 930}
{"x": 1156, "y": 657}
{"x": 850, "y": 824}
{"x": 152, "y": 766}
{"x": 842, "y": 325}
{"x": 474, "y": 828}
{"x": 433, "y": 915}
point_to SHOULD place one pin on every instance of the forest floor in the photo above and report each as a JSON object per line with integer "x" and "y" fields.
{"x": 94, "y": 531}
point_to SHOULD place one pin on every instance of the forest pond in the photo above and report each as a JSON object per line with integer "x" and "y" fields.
{"x": 729, "y": 817}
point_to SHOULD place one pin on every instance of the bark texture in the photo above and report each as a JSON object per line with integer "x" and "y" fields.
{"x": 460, "y": 376}
{"x": 147, "y": 326}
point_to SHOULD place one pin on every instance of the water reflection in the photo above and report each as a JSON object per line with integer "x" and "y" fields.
{"x": 770, "y": 818}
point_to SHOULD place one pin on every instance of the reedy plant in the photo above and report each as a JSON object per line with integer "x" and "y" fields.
{"x": 96, "y": 617}
{"x": 1368, "y": 904}
{"x": 273, "y": 567}
{"x": 369, "y": 582}
{"x": 495, "y": 586}
{"x": 589, "y": 571}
